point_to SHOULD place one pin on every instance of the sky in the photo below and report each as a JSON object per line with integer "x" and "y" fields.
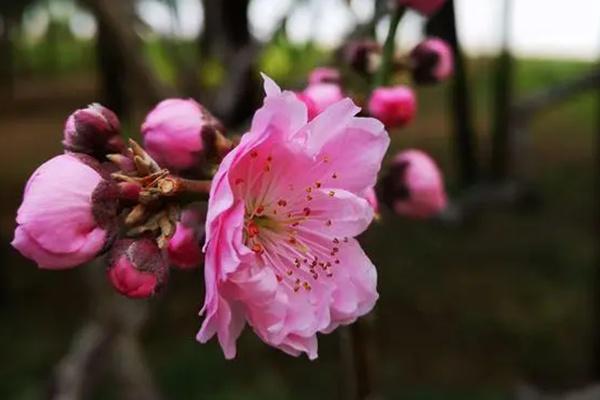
{"x": 538, "y": 28}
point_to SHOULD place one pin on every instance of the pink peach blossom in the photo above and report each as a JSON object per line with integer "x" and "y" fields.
{"x": 425, "y": 7}
{"x": 370, "y": 195}
{"x": 173, "y": 133}
{"x": 284, "y": 208}
{"x": 57, "y": 223}
{"x": 318, "y": 96}
{"x": 394, "y": 106}
{"x": 432, "y": 61}
{"x": 184, "y": 247}
{"x": 416, "y": 184}
{"x": 324, "y": 75}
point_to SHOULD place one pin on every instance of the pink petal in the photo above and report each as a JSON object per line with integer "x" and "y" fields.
{"x": 363, "y": 141}
{"x": 57, "y": 207}
{"x": 29, "y": 248}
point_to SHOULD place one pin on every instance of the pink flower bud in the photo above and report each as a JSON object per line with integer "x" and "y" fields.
{"x": 184, "y": 247}
{"x": 173, "y": 133}
{"x": 362, "y": 55}
{"x": 137, "y": 268}
{"x": 68, "y": 213}
{"x": 324, "y": 75}
{"x": 394, "y": 106}
{"x": 425, "y": 7}
{"x": 94, "y": 130}
{"x": 318, "y": 96}
{"x": 432, "y": 61}
{"x": 414, "y": 186}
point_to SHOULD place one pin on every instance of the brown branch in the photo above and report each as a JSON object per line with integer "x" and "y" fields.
{"x": 110, "y": 337}
{"x": 544, "y": 98}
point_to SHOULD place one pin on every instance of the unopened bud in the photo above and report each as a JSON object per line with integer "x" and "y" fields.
{"x": 184, "y": 248}
{"x": 324, "y": 75}
{"x": 414, "y": 186}
{"x": 318, "y": 96}
{"x": 425, "y": 7}
{"x": 432, "y": 61}
{"x": 394, "y": 106}
{"x": 137, "y": 269}
{"x": 174, "y": 130}
{"x": 94, "y": 130}
{"x": 363, "y": 56}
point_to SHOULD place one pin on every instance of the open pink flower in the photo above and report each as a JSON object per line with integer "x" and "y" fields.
{"x": 371, "y": 197}
{"x": 58, "y": 223}
{"x": 284, "y": 208}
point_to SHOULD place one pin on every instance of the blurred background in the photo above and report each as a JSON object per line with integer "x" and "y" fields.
{"x": 494, "y": 299}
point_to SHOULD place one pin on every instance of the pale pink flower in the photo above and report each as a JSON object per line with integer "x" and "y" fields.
{"x": 284, "y": 208}
{"x": 136, "y": 268}
{"x": 173, "y": 133}
{"x": 184, "y": 247}
{"x": 415, "y": 186}
{"x": 394, "y": 106}
{"x": 67, "y": 213}
{"x": 324, "y": 75}
{"x": 318, "y": 96}
{"x": 425, "y": 7}
{"x": 370, "y": 195}
{"x": 432, "y": 61}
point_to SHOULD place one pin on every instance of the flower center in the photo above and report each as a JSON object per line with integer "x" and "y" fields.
{"x": 287, "y": 223}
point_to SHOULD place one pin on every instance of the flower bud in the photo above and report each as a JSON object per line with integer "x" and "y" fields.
{"x": 362, "y": 55}
{"x": 136, "y": 268}
{"x": 94, "y": 130}
{"x": 184, "y": 247}
{"x": 425, "y": 7}
{"x": 431, "y": 61}
{"x": 414, "y": 186}
{"x": 68, "y": 213}
{"x": 324, "y": 75}
{"x": 319, "y": 96}
{"x": 173, "y": 133}
{"x": 394, "y": 106}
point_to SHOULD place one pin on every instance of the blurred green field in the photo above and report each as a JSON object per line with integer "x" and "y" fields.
{"x": 465, "y": 313}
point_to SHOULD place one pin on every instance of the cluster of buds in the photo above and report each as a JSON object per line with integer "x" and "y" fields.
{"x": 414, "y": 186}
{"x": 103, "y": 196}
{"x": 284, "y": 210}
{"x": 430, "y": 62}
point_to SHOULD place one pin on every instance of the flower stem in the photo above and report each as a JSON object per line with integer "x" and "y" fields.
{"x": 173, "y": 185}
{"x": 387, "y": 58}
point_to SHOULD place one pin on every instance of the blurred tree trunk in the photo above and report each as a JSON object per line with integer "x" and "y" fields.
{"x": 443, "y": 25}
{"x": 121, "y": 57}
{"x": 111, "y": 70}
{"x": 7, "y": 69}
{"x": 227, "y": 38}
{"x": 596, "y": 333}
{"x": 502, "y": 157}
